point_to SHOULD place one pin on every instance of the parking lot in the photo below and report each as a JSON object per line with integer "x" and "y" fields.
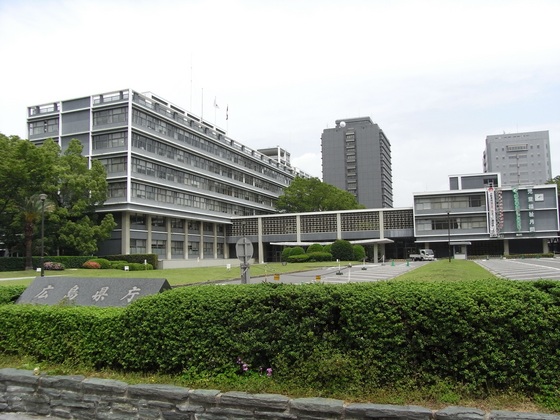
{"x": 523, "y": 269}
{"x": 341, "y": 274}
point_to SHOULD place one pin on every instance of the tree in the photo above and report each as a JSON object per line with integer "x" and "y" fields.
{"x": 73, "y": 189}
{"x": 342, "y": 250}
{"x": 311, "y": 194}
{"x": 79, "y": 192}
{"x": 555, "y": 180}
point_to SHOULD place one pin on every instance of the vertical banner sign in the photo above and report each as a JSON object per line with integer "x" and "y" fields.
{"x": 500, "y": 209}
{"x": 492, "y": 220}
{"x": 531, "y": 207}
{"x": 517, "y": 209}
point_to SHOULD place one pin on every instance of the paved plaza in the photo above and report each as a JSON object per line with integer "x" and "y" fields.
{"x": 334, "y": 273}
{"x": 523, "y": 269}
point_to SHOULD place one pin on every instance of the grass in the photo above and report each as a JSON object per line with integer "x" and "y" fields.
{"x": 175, "y": 276}
{"x": 435, "y": 397}
{"x": 445, "y": 270}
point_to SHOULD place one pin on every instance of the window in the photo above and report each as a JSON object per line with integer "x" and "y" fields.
{"x": 137, "y": 219}
{"x": 117, "y": 189}
{"x": 158, "y": 221}
{"x": 109, "y": 141}
{"x": 137, "y": 246}
{"x": 158, "y": 246}
{"x": 177, "y": 223}
{"x": 110, "y": 116}
{"x": 177, "y": 248}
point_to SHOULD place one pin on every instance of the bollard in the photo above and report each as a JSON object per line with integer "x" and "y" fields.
{"x": 392, "y": 263}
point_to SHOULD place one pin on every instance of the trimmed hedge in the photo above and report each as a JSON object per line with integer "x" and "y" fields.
{"x": 135, "y": 258}
{"x": 491, "y": 334}
{"x": 18, "y": 263}
{"x": 9, "y": 294}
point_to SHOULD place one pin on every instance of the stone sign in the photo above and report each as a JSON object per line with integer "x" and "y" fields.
{"x": 94, "y": 291}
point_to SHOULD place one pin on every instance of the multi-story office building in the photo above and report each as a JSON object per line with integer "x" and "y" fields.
{"x": 357, "y": 158}
{"x": 520, "y": 158}
{"x": 479, "y": 216}
{"x": 175, "y": 180}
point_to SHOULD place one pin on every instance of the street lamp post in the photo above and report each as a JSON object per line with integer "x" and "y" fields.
{"x": 42, "y": 197}
{"x": 449, "y": 235}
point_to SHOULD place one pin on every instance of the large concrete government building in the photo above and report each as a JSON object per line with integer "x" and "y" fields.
{"x": 175, "y": 180}
{"x": 180, "y": 188}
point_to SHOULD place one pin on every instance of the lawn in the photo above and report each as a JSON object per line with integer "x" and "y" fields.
{"x": 175, "y": 276}
{"x": 445, "y": 270}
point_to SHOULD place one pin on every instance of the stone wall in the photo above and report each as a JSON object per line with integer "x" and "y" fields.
{"x": 78, "y": 397}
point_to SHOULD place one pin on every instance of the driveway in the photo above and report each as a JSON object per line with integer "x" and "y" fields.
{"x": 523, "y": 269}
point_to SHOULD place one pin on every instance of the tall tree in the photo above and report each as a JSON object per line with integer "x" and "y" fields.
{"x": 80, "y": 191}
{"x": 74, "y": 191}
{"x": 311, "y": 194}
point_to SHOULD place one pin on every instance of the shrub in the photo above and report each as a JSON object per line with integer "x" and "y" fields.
{"x": 92, "y": 265}
{"x": 135, "y": 258}
{"x": 50, "y": 265}
{"x": 320, "y": 256}
{"x": 139, "y": 267}
{"x": 359, "y": 252}
{"x": 298, "y": 258}
{"x": 486, "y": 335}
{"x": 314, "y": 248}
{"x": 9, "y": 294}
{"x": 342, "y": 250}
{"x": 103, "y": 263}
{"x": 118, "y": 265}
{"x": 286, "y": 253}
{"x": 297, "y": 250}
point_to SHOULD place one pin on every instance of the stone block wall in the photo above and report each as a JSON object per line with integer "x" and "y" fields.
{"x": 78, "y": 397}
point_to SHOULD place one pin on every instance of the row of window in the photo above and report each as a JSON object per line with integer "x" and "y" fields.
{"x": 162, "y": 127}
{"x": 110, "y": 116}
{"x": 110, "y": 141}
{"x": 447, "y": 202}
{"x": 162, "y": 195}
{"x": 138, "y": 219}
{"x": 159, "y": 247}
{"x": 153, "y": 146}
{"x": 41, "y": 127}
{"x": 475, "y": 222}
{"x": 164, "y": 172}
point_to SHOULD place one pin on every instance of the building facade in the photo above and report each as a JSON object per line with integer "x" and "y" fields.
{"x": 520, "y": 158}
{"x": 356, "y": 157}
{"x": 478, "y": 216}
{"x": 175, "y": 180}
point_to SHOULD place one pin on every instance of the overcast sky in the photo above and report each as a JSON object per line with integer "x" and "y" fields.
{"x": 437, "y": 76}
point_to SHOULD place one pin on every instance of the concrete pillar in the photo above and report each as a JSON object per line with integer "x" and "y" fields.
{"x": 149, "y": 240}
{"x": 298, "y": 228}
{"x": 375, "y": 252}
{"x": 545, "y": 248}
{"x": 125, "y": 233}
{"x": 186, "y": 244}
{"x": 259, "y": 240}
{"x": 168, "y": 241}
{"x": 506, "y": 246}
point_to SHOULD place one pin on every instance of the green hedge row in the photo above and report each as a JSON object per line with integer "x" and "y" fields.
{"x": 18, "y": 263}
{"x": 135, "y": 258}
{"x": 492, "y": 334}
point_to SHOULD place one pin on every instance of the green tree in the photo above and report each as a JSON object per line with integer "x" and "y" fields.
{"x": 359, "y": 252}
{"x": 342, "y": 250}
{"x": 73, "y": 189}
{"x": 311, "y": 194}
{"x": 25, "y": 172}
{"x": 555, "y": 180}
{"x": 80, "y": 191}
